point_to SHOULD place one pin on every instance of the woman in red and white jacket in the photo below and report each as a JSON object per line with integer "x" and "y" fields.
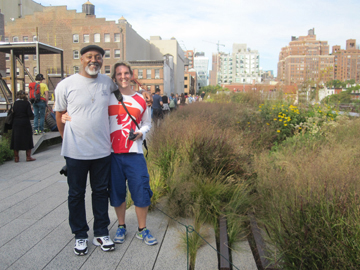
{"x": 127, "y": 158}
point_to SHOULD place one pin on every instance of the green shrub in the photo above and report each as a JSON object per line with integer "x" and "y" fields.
{"x": 5, "y": 152}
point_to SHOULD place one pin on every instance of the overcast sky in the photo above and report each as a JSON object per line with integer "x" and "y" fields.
{"x": 266, "y": 26}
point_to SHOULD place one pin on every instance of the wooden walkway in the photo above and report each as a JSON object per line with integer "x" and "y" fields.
{"x": 35, "y": 233}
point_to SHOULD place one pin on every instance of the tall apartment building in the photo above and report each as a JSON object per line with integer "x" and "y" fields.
{"x": 347, "y": 62}
{"x": 241, "y": 66}
{"x": 201, "y": 65}
{"x": 213, "y": 73}
{"x": 305, "y": 59}
{"x": 69, "y": 30}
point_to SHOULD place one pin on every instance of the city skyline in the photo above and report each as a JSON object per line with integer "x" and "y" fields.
{"x": 263, "y": 26}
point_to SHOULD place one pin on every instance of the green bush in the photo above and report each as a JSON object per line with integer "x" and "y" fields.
{"x": 5, "y": 152}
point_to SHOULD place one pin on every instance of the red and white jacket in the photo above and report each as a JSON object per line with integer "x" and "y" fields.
{"x": 121, "y": 123}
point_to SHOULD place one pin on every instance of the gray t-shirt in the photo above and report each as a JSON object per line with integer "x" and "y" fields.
{"x": 87, "y": 135}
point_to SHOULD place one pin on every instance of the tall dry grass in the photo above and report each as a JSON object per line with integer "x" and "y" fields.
{"x": 309, "y": 198}
{"x": 204, "y": 157}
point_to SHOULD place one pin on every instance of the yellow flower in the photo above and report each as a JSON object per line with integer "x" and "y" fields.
{"x": 275, "y": 119}
{"x": 268, "y": 124}
{"x": 249, "y": 123}
{"x": 299, "y": 127}
{"x": 278, "y": 131}
{"x": 280, "y": 120}
{"x": 285, "y": 125}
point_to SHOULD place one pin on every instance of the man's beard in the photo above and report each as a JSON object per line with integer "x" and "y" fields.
{"x": 94, "y": 71}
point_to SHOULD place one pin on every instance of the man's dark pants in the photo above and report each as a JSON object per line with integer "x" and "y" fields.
{"x": 99, "y": 181}
{"x": 157, "y": 114}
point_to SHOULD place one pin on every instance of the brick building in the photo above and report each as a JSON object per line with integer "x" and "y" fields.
{"x": 190, "y": 82}
{"x": 347, "y": 62}
{"x": 153, "y": 74}
{"x": 213, "y": 73}
{"x": 69, "y": 30}
{"x": 305, "y": 59}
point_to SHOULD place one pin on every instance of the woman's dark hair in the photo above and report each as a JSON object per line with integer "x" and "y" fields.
{"x": 21, "y": 95}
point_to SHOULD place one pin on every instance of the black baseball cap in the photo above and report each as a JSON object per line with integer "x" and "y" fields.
{"x": 39, "y": 77}
{"x": 92, "y": 48}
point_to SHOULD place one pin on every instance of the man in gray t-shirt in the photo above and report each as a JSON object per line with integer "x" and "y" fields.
{"x": 86, "y": 146}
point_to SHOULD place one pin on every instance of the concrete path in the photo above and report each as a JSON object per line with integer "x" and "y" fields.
{"x": 35, "y": 234}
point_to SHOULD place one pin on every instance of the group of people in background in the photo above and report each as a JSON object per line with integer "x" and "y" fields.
{"x": 163, "y": 105}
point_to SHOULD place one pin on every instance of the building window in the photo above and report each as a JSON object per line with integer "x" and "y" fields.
{"x": 34, "y": 38}
{"x": 17, "y": 71}
{"x": 116, "y": 37}
{"x": 106, "y": 37}
{"x": 15, "y": 39}
{"x": 117, "y": 53}
{"x": 148, "y": 87}
{"x": 34, "y": 57}
{"x": 148, "y": 74}
{"x": 96, "y": 37}
{"x": 25, "y": 38}
{"x": 185, "y": 86}
{"x": 76, "y": 54}
{"x": 185, "y": 78}
{"x": 26, "y": 57}
{"x": 107, "y": 54}
{"x": 157, "y": 74}
{"x": 26, "y": 88}
{"x": 8, "y": 72}
{"x": 75, "y": 38}
{"x": 140, "y": 74}
{"x": 76, "y": 69}
{"x": 6, "y": 39}
{"x": 7, "y": 56}
{"x": 35, "y": 71}
{"x": 107, "y": 69}
{"x": 86, "y": 38}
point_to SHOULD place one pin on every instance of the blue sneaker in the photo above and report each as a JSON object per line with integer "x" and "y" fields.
{"x": 120, "y": 235}
{"x": 146, "y": 236}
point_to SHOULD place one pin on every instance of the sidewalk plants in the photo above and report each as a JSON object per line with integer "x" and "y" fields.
{"x": 294, "y": 167}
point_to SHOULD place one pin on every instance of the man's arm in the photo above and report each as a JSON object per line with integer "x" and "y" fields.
{"x": 148, "y": 98}
{"x": 59, "y": 123}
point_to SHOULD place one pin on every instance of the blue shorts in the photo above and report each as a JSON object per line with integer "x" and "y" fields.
{"x": 131, "y": 167}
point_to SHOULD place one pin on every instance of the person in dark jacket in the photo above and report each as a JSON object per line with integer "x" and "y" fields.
{"x": 22, "y": 138}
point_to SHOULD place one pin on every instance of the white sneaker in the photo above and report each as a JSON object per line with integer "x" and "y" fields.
{"x": 104, "y": 242}
{"x": 81, "y": 248}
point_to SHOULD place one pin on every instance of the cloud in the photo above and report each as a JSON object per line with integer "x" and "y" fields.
{"x": 266, "y": 26}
